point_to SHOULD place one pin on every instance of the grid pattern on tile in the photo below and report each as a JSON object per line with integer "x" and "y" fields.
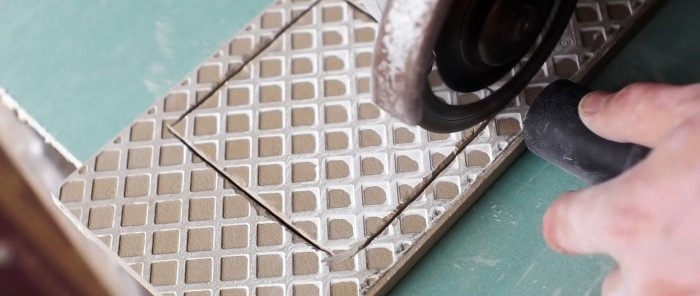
{"x": 297, "y": 127}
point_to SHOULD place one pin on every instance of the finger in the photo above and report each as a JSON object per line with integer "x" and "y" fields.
{"x": 642, "y": 113}
{"x": 613, "y": 284}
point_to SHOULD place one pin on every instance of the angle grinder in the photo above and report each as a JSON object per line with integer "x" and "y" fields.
{"x": 474, "y": 44}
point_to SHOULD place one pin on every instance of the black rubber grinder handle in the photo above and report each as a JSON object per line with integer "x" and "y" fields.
{"x": 555, "y": 132}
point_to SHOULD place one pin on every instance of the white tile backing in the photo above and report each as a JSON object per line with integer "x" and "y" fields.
{"x": 295, "y": 125}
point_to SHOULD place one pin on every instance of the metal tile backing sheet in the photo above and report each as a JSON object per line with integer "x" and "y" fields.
{"x": 296, "y": 126}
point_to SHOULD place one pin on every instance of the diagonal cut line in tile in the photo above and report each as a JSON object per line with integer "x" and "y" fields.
{"x": 280, "y": 217}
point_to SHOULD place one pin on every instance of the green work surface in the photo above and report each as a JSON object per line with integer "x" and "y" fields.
{"x": 86, "y": 68}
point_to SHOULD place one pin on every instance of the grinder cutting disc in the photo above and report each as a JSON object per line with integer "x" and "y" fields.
{"x": 474, "y": 43}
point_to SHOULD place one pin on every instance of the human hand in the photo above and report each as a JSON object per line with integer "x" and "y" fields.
{"x": 648, "y": 218}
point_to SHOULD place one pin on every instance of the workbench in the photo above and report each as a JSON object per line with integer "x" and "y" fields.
{"x": 85, "y": 69}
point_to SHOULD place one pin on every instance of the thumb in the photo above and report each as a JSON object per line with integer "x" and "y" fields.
{"x": 642, "y": 113}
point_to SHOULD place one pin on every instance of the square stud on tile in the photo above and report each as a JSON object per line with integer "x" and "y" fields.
{"x": 338, "y": 198}
{"x": 363, "y": 85}
{"x": 209, "y": 149}
{"x": 235, "y": 207}
{"x": 139, "y": 158}
{"x": 403, "y": 135}
{"x": 198, "y": 270}
{"x": 302, "y": 40}
{"x": 270, "y": 68}
{"x": 305, "y": 263}
{"x": 303, "y": 172}
{"x": 340, "y": 229}
{"x": 132, "y": 244}
{"x": 371, "y": 166}
{"x": 303, "y": 144}
{"x": 302, "y": 65}
{"x": 270, "y": 146}
{"x": 306, "y": 289}
{"x": 272, "y": 20}
{"x": 104, "y": 188}
{"x": 270, "y": 93}
{"x": 333, "y": 63}
{"x": 142, "y": 131}
{"x": 137, "y": 186}
{"x": 367, "y": 111}
{"x": 169, "y": 183}
{"x": 303, "y": 116}
{"x": 134, "y": 214}
{"x": 332, "y": 14}
{"x": 270, "y": 175}
{"x": 234, "y": 236}
{"x": 241, "y": 46}
{"x": 166, "y": 242}
{"x": 334, "y": 88}
{"x": 373, "y": 224}
{"x": 198, "y": 293}
{"x": 234, "y": 268}
{"x": 404, "y": 191}
{"x": 236, "y": 123}
{"x": 271, "y": 119}
{"x": 269, "y": 291}
{"x": 101, "y": 217}
{"x": 476, "y": 158}
{"x": 413, "y": 224}
{"x": 370, "y": 138}
{"x": 239, "y": 174}
{"x": 373, "y": 195}
{"x": 303, "y": 201}
{"x": 205, "y": 125}
{"x": 200, "y": 239}
{"x": 446, "y": 190}
{"x": 203, "y": 180}
{"x": 365, "y": 35}
{"x": 363, "y": 60}
{"x": 406, "y": 164}
{"x": 337, "y": 169}
{"x": 507, "y": 126}
{"x": 202, "y": 209}
{"x": 172, "y": 155}
{"x": 303, "y": 90}
{"x": 233, "y": 292}
{"x": 168, "y": 211}
{"x": 344, "y": 289}
{"x": 164, "y": 273}
{"x": 335, "y": 114}
{"x": 379, "y": 258}
{"x": 238, "y": 96}
{"x": 175, "y": 102}
{"x": 209, "y": 74}
{"x": 269, "y": 265}
{"x": 332, "y": 38}
{"x": 342, "y": 265}
{"x": 107, "y": 160}
{"x": 308, "y": 227}
{"x": 337, "y": 140}
{"x": 269, "y": 234}
{"x": 72, "y": 191}
{"x": 237, "y": 149}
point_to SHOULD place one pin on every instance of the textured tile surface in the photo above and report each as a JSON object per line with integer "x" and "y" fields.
{"x": 297, "y": 127}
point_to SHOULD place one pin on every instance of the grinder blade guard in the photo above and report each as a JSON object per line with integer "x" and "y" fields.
{"x": 473, "y": 44}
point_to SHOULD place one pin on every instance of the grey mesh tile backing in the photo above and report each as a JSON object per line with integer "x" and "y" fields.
{"x": 296, "y": 126}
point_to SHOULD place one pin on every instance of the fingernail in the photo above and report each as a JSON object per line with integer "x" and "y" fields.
{"x": 593, "y": 102}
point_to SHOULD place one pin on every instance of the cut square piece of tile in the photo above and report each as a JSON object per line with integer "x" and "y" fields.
{"x": 413, "y": 224}
{"x": 101, "y": 217}
{"x": 139, "y": 158}
{"x": 344, "y": 289}
{"x": 335, "y": 114}
{"x": 302, "y": 40}
{"x": 72, "y": 191}
{"x": 269, "y": 291}
{"x": 236, "y": 123}
{"x": 446, "y": 190}
{"x": 269, "y": 265}
{"x": 337, "y": 141}
{"x": 270, "y": 68}
{"x": 270, "y": 174}
{"x": 269, "y": 234}
{"x": 198, "y": 270}
{"x": 107, "y": 160}
{"x": 237, "y": 149}
{"x": 270, "y": 146}
{"x": 379, "y": 258}
{"x": 175, "y": 102}
{"x": 234, "y": 236}
{"x": 303, "y": 90}
{"x": 137, "y": 185}
{"x": 168, "y": 211}
{"x": 200, "y": 239}
{"x": 306, "y": 289}
{"x": 134, "y": 214}
{"x": 164, "y": 273}
{"x": 235, "y": 207}
{"x": 142, "y": 131}
{"x": 304, "y": 116}
{"x": 166, "y": 242}
{"x": 202, "y": 209}
{"x": 238, "y": 96}
{"x": 104, "y": 188}
{"x": 233, "y": 292}
{"x": 270, "y": 93}
{"x": 209, "y": 74}
{"x": 302, "y": 65}
{"x": 132, "y": 244}
{"x": 172, "y": 155}
{"x": 169, "y": 183}
{"x": 272, "y": 119}
{"x": 206, "y": 125}
{"x": 203, "y": 180}
{"x": 234, "y": 268}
